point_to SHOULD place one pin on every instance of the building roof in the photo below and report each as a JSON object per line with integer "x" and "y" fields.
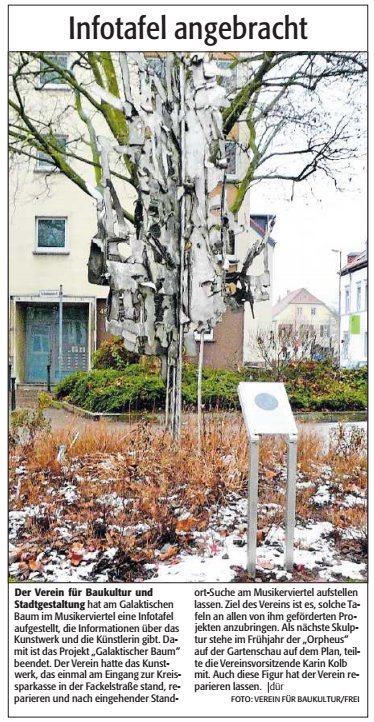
{"x": 355, "y": 262}
{"x": 259, "y": 223}
{"x": 300, "y": 296}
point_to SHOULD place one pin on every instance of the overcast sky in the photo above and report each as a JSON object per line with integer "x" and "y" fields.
{"x": 308, "y": 227}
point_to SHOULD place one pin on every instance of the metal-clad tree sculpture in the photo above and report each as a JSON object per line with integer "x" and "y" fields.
{"x": 166, "y": 274}
{"x": 167, "y": 262}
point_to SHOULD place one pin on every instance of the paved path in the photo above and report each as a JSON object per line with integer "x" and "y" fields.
{"x": 60, "y": 418}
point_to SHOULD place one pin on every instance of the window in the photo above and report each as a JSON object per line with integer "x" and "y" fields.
{"x": 284, "y": 329}
{"x": 50, "y": 77}
{"x": 358, "y": 287}
{"x": 229, "y": 82}
{"x": 230, "y": 150}
{"x": 324, "y": 331}
{"x": 347, "y": 299}
{"x": 313, "y": 311}
{"x": 44, "y": 161}
{"x": 345, "y": 344}
{"x": 307, "y": 329}
{"x": 299, "y": 311}
{"x": 51, "y": 235}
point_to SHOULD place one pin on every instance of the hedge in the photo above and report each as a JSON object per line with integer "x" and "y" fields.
{"x": 311, "y": 386}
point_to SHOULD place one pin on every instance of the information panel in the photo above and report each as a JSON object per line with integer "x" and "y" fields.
{"x": 266, "y": 408}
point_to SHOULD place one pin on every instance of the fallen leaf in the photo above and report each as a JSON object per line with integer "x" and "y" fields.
{"x": 16, "y": 554}
{"x": 76, "y": 554}
{"x": 23, "y": 568}
{"x": 185, "y": 524}
{"x": 269, "y": 474}
{"x": 35, "y": 565}
{"x": 171, "y": 551}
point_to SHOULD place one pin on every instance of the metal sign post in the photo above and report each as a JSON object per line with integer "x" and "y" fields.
{"x": 266, "y": 410}
{"x": 290, "y": 501}
{"x": 60, "y": 328}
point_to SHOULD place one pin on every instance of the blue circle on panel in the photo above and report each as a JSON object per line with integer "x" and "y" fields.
{"x": 267, "y": 402}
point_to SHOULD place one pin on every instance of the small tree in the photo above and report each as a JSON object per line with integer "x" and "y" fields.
{"x": 288, "y": 342}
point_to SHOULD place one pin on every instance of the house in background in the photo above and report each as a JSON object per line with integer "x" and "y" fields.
{"x": 353, "y": 305}
{"x": 301, "y": 316}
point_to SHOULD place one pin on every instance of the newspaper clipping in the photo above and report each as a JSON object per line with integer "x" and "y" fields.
{"x": 187, "y": 361}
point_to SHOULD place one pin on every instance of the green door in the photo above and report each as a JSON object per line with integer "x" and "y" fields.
{"x": 42, "y": 341}
{"x": 40, "y": 323}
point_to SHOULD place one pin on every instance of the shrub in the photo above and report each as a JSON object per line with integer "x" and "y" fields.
{"x": 107, "y": 390}
{"x": 112, "y": 354}
{"x": 25, "y": 425}
{"x": 218, "y": 388}
{"x": 311, "y": 385}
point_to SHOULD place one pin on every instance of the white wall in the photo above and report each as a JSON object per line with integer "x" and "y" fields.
{"x": 354, "y": 346}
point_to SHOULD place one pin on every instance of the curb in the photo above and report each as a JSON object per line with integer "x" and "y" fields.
{"x": 304, "y": 417}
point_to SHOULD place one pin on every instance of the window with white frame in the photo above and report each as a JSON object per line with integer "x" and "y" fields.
{"x": 299, "y": 310}
{"x": 51, "y": 234}
{"x": 347, "y": 299}
{"x": 358, "y": 289}
{"x": 208, "y": 336}
{"x": 345, "y": 344}
{"x": 49, "y": 76}
{"x": 313, "y": 311}
{"x": 324, "y": 331}
{"x": 44, "y": 162}
{"x": 231, "y": 155}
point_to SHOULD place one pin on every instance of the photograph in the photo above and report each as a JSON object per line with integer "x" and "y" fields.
{"x": 188, "y": 316}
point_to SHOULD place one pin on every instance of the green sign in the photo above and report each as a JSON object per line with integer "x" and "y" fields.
{"x": 354, "y": 325}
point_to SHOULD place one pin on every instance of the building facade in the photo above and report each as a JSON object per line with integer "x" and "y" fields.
{"x": 309, "y": 327}
{"x": 57, "y": 317}
{"x": 353, "y": 305}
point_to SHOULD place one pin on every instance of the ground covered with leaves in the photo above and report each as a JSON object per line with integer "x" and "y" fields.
{"x": 130, "y": 505}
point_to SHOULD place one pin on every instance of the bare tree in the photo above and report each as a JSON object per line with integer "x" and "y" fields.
{"x": 301, "y": 111}
{"x": 289, "y": 342}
